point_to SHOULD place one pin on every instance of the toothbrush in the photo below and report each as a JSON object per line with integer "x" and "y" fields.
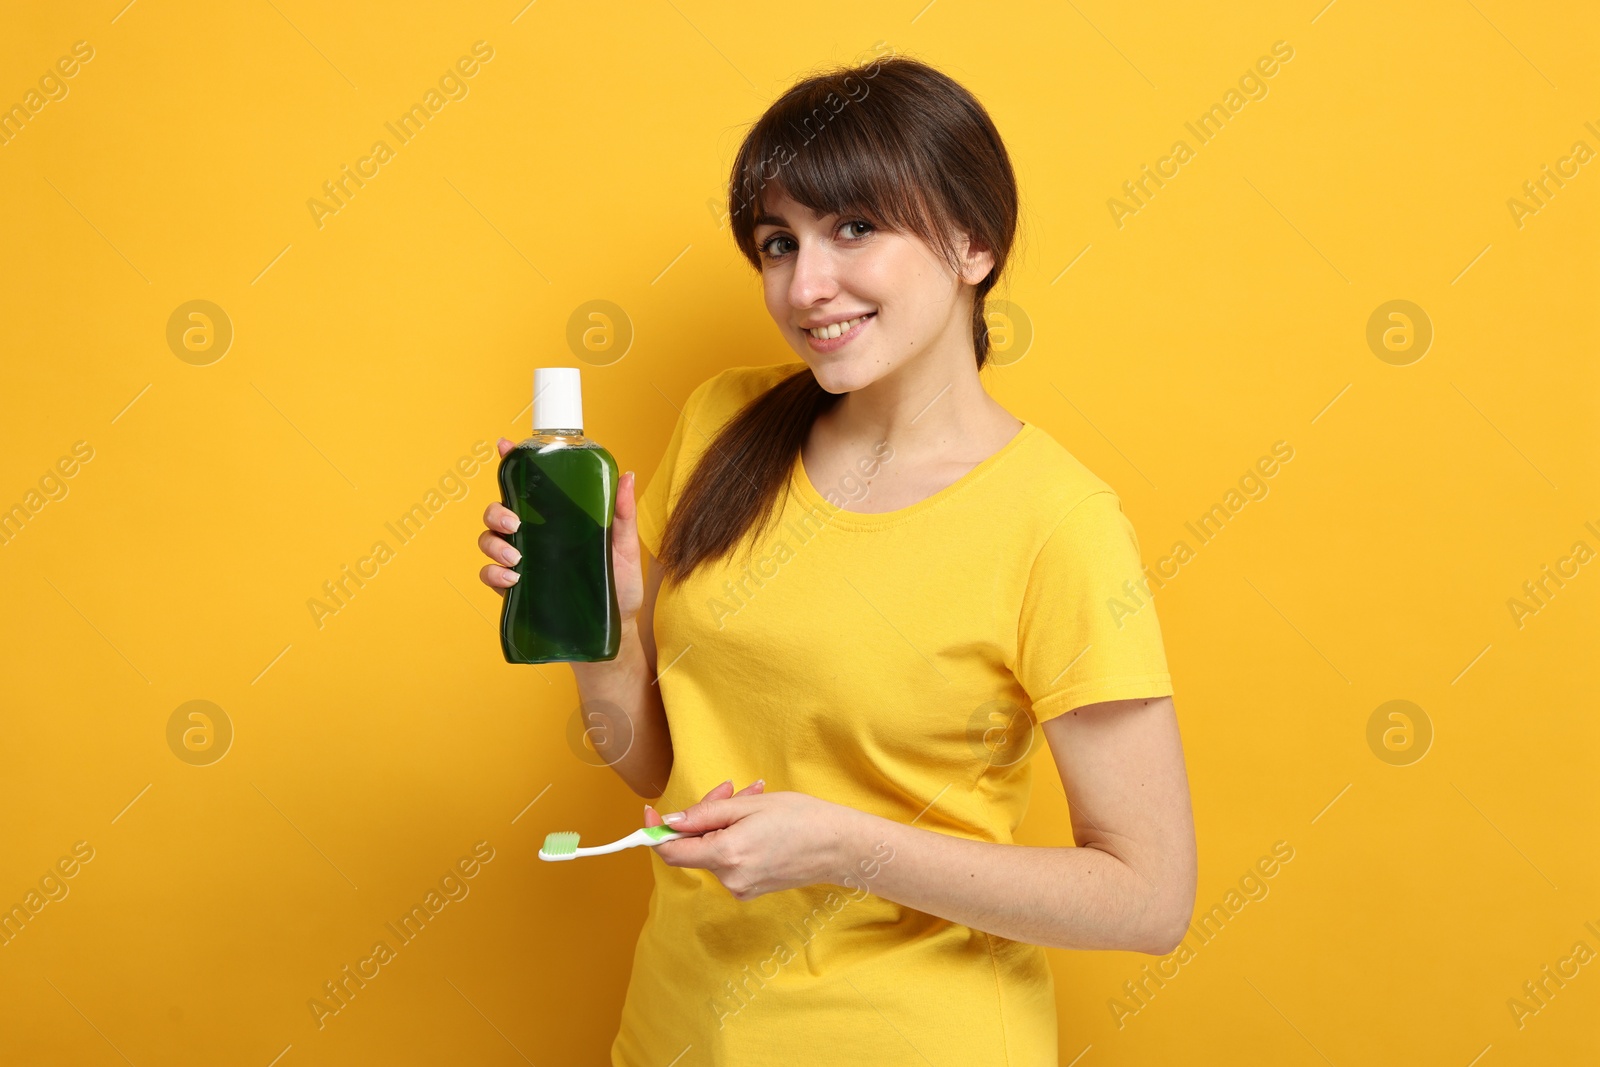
{"x": 563, "y": 845}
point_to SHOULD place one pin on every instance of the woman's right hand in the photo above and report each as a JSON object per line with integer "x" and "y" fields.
{"x": 625, "y": 555}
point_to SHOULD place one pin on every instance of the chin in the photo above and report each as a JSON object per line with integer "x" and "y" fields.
{"x": 843, "y": 375}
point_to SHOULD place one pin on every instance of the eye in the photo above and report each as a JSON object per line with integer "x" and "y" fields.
{"x": 766, "y": 246}
{"x": 848, "y": 228}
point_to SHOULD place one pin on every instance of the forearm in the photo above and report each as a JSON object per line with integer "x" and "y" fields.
{"x": 624, "y": 719}
{"x": 1077, "y": 898}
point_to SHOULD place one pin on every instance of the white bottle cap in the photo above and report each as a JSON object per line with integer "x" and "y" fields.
{"x": 557, "y": 399}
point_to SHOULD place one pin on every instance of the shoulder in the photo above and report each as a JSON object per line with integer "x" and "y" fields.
{"x": 1073, "y": 526}
{"x": 724, "y": 394}
{"x": 1059, "y": 483}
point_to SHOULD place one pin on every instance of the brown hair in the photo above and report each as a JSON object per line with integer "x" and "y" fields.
{"x": 909, "y": 148}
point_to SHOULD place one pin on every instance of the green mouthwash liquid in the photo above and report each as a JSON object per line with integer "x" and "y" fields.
{"x": 563, "y": 486}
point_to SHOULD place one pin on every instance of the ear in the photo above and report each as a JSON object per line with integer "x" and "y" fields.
{"x": 977, "y": 260}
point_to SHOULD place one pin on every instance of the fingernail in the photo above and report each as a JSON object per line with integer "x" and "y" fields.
{"x": 728, "y": 782}
{"x": 676, "y": 816}
{"x": 516, "y": 558}
{"x": 761, "y": 781}
{"x": 515, "y": 577}
{"x": 516, "y": 523}
{"x": 647, "y": 813}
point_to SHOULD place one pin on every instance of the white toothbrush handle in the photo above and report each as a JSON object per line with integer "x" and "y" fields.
{"x": 638, "y": 837}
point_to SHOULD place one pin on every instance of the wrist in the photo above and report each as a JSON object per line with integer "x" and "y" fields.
{"x": 627, "y": 642}
{"x": 850, "y": 830}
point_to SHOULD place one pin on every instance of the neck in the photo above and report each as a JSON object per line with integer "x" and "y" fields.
{"x": 923, "y": 405}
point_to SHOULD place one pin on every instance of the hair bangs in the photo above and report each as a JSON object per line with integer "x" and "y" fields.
{"x": 833, "y": 146}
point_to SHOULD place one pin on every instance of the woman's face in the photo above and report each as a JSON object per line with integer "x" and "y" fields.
{"x": 830, "y": 271}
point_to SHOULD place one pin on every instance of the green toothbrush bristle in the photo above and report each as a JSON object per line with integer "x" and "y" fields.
{"x": 561, "y": 843}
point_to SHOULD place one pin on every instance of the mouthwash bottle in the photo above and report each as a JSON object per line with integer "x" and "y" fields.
{"x": 563, "y": 487}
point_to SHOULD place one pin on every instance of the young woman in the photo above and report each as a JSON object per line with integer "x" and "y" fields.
{"x": 872, "y": 591}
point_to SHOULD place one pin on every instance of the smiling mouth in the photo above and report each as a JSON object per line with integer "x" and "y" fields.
{"x": 823, "y": 333}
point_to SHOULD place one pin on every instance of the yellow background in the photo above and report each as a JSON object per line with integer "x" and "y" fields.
{"x": 370, "y": 353}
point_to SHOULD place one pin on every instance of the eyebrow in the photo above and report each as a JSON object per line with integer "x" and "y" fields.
{"x": 778, "y": 220}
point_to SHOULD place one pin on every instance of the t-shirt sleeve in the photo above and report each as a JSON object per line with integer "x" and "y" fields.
{"x": 674, "y": 468}
{"x": 1088, "y": 629}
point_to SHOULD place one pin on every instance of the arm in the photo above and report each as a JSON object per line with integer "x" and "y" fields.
{"x": 1129, "y": 885}
{"x": 639, "y": 749}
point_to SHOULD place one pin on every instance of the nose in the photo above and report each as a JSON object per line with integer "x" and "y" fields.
{"x": 813, "y": 280}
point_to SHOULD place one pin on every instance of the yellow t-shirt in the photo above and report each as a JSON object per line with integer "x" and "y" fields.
{"x": 874, "y": 660}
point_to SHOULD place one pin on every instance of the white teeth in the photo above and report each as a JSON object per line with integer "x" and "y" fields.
{"x": 825, "y": 332}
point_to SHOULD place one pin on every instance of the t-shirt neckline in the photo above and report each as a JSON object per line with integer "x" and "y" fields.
{"x": 800, "y": 482}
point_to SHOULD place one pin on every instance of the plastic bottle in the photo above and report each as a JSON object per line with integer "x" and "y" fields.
{"x": 563, "y": 486}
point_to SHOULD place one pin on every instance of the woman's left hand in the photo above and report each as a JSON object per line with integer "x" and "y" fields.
{"x": 759, "y": 843}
